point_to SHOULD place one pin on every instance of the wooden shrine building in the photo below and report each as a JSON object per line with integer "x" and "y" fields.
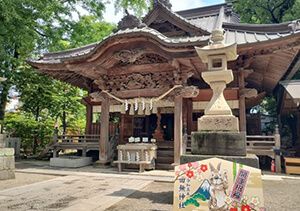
{"x": 148, "y": 72}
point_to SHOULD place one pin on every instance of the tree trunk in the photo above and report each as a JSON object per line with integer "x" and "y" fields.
{"x": 64, "y": 122}
{"x": 3, "y": 101}
{"x": 35, "y": 138}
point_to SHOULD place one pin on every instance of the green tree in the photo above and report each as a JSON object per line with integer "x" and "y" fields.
{"x": 29, "y": 28}
{"x": 266, "y": 11}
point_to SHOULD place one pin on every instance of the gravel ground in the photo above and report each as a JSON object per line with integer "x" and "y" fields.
{"x": 279, "y": 196}
{"x": 24, "y": 179}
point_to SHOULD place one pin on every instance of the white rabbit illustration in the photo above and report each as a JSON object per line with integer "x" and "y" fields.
{"x": 218, "y": 188}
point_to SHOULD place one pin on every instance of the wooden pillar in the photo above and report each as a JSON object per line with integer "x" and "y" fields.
{"x": 89, "y": 118}
{"x": 242, "y": 105}
{"x": 278, "y": 146}
{"x": 189, "y": 115}
{"x": 122, "y": 125}
{"x": 104, "y": 133}
{"x": 177, "y": 130}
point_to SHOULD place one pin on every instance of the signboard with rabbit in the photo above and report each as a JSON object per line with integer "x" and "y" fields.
{"x": 217, "y": 185}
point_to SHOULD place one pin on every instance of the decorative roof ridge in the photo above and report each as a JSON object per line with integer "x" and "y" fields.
{"x": 129, "y": 21}
{"x": 82, "y": 51}
{"x": 168, "y": 11}
{"x": 290, "y": 26}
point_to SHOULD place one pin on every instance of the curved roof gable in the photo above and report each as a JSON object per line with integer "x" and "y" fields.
{"x": 77, "y": 53}
{"x": 160, "y": 11}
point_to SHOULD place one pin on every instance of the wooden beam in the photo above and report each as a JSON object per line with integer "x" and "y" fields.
{"x": 177, "y": 130}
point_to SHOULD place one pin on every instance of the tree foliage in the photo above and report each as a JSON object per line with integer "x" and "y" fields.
{"x": 31, "y": 27}
{"x": 267, "y": 11}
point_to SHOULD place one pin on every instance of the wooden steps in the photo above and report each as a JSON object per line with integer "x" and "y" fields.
{"x": 165, "y": 155}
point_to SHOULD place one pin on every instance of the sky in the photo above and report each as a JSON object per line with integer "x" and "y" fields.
{"x": 110, "y": 15}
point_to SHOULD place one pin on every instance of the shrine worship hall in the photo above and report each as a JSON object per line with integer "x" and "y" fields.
{"x": 146, "y": 92}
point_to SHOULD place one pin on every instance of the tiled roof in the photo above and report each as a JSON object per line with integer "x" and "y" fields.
{"x": 57, "y": 57}
{"x": 207, "y": 17}
{"x": 252, "y": 33}
{"x": 203, "y": 18}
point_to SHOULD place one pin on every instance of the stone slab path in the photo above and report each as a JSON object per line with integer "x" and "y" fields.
{"x": 71, "y": 193}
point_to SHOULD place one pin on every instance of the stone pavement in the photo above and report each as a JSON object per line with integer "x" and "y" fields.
{"x": 71, "y": 193}
{"x": 105, "y": 189}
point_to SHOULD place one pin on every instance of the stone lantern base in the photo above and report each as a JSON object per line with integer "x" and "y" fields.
{"x": 227, "y": 145}
{"x": 219, "y": 143}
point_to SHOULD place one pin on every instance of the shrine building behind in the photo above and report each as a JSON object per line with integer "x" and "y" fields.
{"x": 149, "y": 75}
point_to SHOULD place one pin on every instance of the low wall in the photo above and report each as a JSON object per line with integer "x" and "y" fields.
{"x": 7, "y": 160}
{"x": 7, "y": 163}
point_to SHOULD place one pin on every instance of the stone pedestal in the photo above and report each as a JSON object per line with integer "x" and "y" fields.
{"x": 71, "y": 162}
{"x": 229, "y": 146}
{"x": 219, "y": 143}
{"x": 7, "y": 163}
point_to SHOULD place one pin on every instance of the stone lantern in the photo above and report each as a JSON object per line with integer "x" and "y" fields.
{"x": 218, "y": 132}
{"x": 218, "y": 115}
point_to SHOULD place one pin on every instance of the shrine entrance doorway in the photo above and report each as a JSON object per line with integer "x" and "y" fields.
{"x": 167, "y": 124}
{"x": 144, "y": 126}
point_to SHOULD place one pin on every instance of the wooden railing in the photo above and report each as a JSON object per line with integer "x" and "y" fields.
{"x": 258, "y": 145}
{"x": 78, "y": 142}
{"x": 77, "y": 139}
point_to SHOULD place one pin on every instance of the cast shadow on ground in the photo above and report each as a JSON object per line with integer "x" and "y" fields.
{"x": 153, "y": 197}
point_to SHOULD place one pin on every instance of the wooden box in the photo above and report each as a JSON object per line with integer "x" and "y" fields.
{"x": 292, "y": 165}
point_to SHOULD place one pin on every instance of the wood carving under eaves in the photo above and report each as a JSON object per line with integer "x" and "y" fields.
{"x": 140, "y": 81}
{"x": 129, "y": 56}
{"x": 137, "y": 57}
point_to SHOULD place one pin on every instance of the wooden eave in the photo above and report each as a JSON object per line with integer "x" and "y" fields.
{"x": 83, "y": 65}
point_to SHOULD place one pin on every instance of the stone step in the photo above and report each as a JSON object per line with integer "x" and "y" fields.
{"x": 165, "y": 160}
{"x": 165, "y": 153}
{"x": 165, "y": 145}
{"x": 160, "y": 166}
